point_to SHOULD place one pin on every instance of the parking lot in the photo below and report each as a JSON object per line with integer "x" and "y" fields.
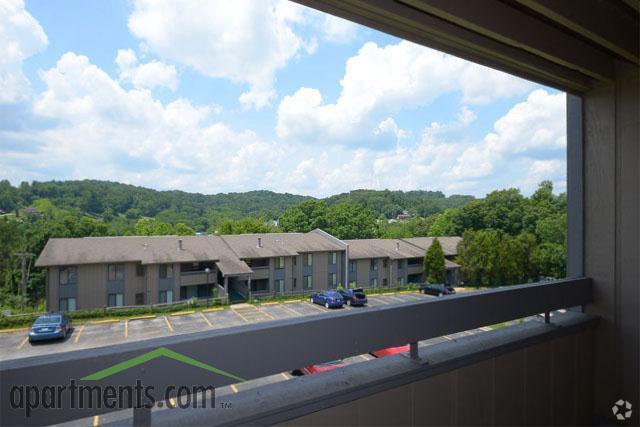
{"x": 101, "y": 333}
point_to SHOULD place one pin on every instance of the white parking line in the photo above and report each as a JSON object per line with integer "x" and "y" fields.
{"x": 206, "y": 320}
{"x": 79, "y": 333}
{"x": 24, "y": 341}
{"x": 265, "y": 313}
{"x": 166, "y": 319}
{"x": 289, "y": 309}
{"x": 240, "y": 316}
{"x": 316, "y": 307}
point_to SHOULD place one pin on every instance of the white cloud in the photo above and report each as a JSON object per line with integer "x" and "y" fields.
{"x": 21, "y": 36}
{"x": 245, "y": 41}
{"x": 338, "y": 30}
{"x": 145, "y": 76}
{"x": 535, "y": 125}
{"x": 383, "y": 80}
{"x": 104, "y": 131}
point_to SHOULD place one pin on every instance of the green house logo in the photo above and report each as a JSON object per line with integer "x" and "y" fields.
{"x": 158, "y": 352}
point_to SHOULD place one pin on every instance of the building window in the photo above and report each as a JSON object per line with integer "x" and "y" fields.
{"x": 258, "y": 262}
{"x": 67, "y": 304}
{"x": 352, "y": 266}
{"x": 115, "y": 300}
{"x": 68, "y": 275}
{"x": 279, "y": 285}
{"x": 400, "y": 264}
{"x": 385, "y": 282}
{"x": 280, "y": 263}
{"x": 166, "y": 297}
{"x": 374, "y": 265}
{"x": 308, "y": 282}
{"x": 333, "y": 280}
{"x": 308, "y": 260}
{"x": 166, "y": 271}
{"x": 295, "y": 282}
{"x": 140, "y": 298}
{"x": 295, "y": 261}
{"x": 333, "y": 258}
{"x": 384, "y": 263}
{"x": 116, "y": 272}
{"x": 374, "y": 283}
{"x": 141, "y": 270}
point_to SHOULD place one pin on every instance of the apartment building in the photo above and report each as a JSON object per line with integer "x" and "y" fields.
{"x": 94, "y": 272}
{"x": 284, "y": 262}
{"x": 390, "y": 262}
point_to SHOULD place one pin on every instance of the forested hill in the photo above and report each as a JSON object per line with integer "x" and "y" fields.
{"x": 111, "y": 198}
{"x": 390, "y": 203}
{"x": 108, "y": 199}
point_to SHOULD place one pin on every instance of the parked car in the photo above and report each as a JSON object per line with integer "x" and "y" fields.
{"x": 330, "y": 299}
{"x": 353, "y": 296}
{"x": 437, "y": 289}
{"x": 50, "y": 327}
{"x": 322, "y": 367}
{"x": 390, "y": 351}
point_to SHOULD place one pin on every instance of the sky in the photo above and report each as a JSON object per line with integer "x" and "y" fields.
{"x": 229, "y": 96}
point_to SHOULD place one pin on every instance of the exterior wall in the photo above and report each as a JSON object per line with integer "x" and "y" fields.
{"x": 384, "y": 273}
{"x": 92, "y": 286}
{"x": 396, "y": 274}
{"x": 362, "y": 271}
{"x": 611, "y": 164}
{"x": 153, "y": 279}
{"x": 550, "y": 383}
{"x": 52, "y": 289}
{"x": 134, "y": 284}
{"x": 320, "y": 270}
{"x": 295, "y": 270}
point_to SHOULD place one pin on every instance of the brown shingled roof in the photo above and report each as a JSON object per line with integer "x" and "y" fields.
{"x": 144, "y": 249}
{"x": 449, "y": 243}
{"x": 279, "y": 244}
{"x": 382, "y": 248}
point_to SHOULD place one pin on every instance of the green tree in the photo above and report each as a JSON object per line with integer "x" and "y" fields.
{"x": 442, "y": 224}
{"x": 152, "y": 227}
{"x": 434, "y": 263}
{"x": 181, "y": 229}
{"x": 551, "y": 259}
{"x": 243, "y": 226}
{"x": 304, "y": 217}
{"x": 351, "y": 221}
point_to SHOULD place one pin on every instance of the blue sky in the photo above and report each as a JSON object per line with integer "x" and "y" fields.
{"x": 220, "y": 96}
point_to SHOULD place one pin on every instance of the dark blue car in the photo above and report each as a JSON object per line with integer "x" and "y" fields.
{"x": 353, "y": 296}
{"x": 330, "y": 299}
{"x": 50, "y": 327}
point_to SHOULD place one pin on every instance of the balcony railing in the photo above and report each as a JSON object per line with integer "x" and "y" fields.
{"x": 259, "y": 350}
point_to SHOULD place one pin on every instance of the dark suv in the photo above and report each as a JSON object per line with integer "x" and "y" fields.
{"x": 353, "y": 296}
{"x": 437, "y": 289}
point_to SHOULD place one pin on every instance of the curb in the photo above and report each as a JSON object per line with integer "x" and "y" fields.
{"x": 146, "y": 316}
{"x": 22, "y": 329}
{"x": 182, "y": 313}
{"x": 99, "y": 322}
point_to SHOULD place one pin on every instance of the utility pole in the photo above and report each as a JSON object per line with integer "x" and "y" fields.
{"x": 24, "y": 267}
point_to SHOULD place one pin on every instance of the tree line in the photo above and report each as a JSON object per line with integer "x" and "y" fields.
{"x": 507, "y": 238}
